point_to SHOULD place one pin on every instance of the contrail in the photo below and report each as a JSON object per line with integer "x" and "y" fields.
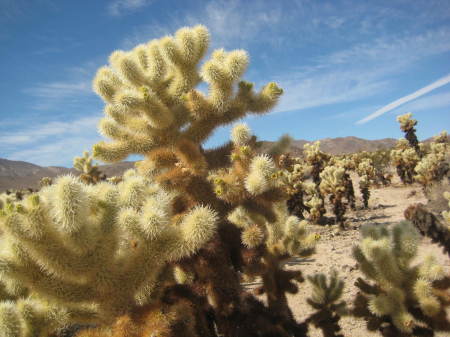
{"x": 405, "y": 99}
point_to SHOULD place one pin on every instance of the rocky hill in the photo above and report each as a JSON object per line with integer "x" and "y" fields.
{"x": 20, "y": 174}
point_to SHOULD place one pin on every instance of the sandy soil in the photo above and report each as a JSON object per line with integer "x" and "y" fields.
{"x": 386, "y": 206}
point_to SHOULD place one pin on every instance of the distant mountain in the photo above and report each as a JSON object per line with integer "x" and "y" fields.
{"x": 20, "y": 174}
{"x": 341, "y": 145}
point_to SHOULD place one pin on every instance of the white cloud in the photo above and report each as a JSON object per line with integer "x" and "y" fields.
{"x": 59, "y": 89}
{"x": 362, "y": 70}
{"x": 327, "y": 88}
{"x": 55, "y": 153}
{"x": 55, "y": 95}
{"x": 424, "y": 103}
{"x": 53, "y": 143}
{"x": 396, "y": 49}
{"x": 31, "y": 135}
{"x": 405, "y": 99}
{"x": 120, "y": 7}
{"x": 232, "y": 23}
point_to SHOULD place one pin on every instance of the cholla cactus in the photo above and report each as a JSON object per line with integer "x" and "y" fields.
{"x": 402, "y": 295}
{"x": 91, "y": 253}
{"x": 325, "y": 299}
{"x": 45, "y": 181}
{"x": 434, "y": 166}
{"x": 366, "y": 173}
{"x": 292, "y": 177}
{"x": 314, "y": 202}
{"x": 333, "y": 184}
{"x": 254, "y": 188}
{"x": 430, "y": 225}
{"x": 405, "y": 159}
{"x": 13, "y": 196}
{"x": 381, "y": 160}
{"x": 349, "y": 193}
{"x": 90, "y": 173}
{"x": 153, "y": 109}
{"x": 316, "y": 158}
{"x": 407, "y": 125}
{"x": 152, "y": 101}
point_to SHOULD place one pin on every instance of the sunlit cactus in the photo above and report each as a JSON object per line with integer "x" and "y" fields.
{"x": 333, "y": 184}
{"x": 90, "y": 173}
{"x": 292, "y": 176}
{"x": 313, "y": 201}
{"x": 151, "y": 96}
{"x": 407, "y": 125}
{"x": 349, "y": 193}
{"x": 402, "y": 295}
{"x": 316, "y": 158}
{"x": 405, "y": 159}
{"x": 381, "y": 160}
{"x": 325, "y": 299}
{"x": 367, "y": 174}
{"x": 434, "y": 166}
{"x": 90, "y": 253}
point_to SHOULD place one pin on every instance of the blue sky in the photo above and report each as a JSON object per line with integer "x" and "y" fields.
{"x": 339, "y": 62}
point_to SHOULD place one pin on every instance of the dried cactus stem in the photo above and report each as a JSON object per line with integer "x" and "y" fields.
{"x": 410, "y": 135}
{"x": 328, "y": 321}
{"x": 296, "y": 205}
{"x": 365, "y": 192}
{"x": 429, "y": 225}
{"x": 349, "y": 191}
{"x": 338, "y": 209}
{"x": 276, "y": 283}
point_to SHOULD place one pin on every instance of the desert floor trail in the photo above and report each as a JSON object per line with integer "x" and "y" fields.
{"x": 334, "y": 250}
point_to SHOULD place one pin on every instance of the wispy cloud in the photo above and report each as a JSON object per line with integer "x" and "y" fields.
{"x": 405, "y": 99}
{"x": 73, "y": 89}
{"x": 36, "y": 133}
{"x": 51, "y": 95}
{"x": 232, "y": 23}
{"x": 52, "y": 143}
{"x": 54, "y": 153}
{"x": 327, "y": 88}
{"x": 426, "y": 103}
{"x": 364, "y": 70}
{"x": 120, "y": 7}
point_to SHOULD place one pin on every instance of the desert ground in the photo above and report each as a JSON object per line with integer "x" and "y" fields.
{"x": 334, "y": 251}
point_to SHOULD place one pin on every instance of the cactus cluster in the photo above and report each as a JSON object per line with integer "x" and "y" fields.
{"x": 420, "y": 162}
{"x": 433, "y": 166}
{"x": 161, "y": 251}
{"x": 405, "y": 159}
{"x": 403, "y": 296}
{"x": 164, "y": 250}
